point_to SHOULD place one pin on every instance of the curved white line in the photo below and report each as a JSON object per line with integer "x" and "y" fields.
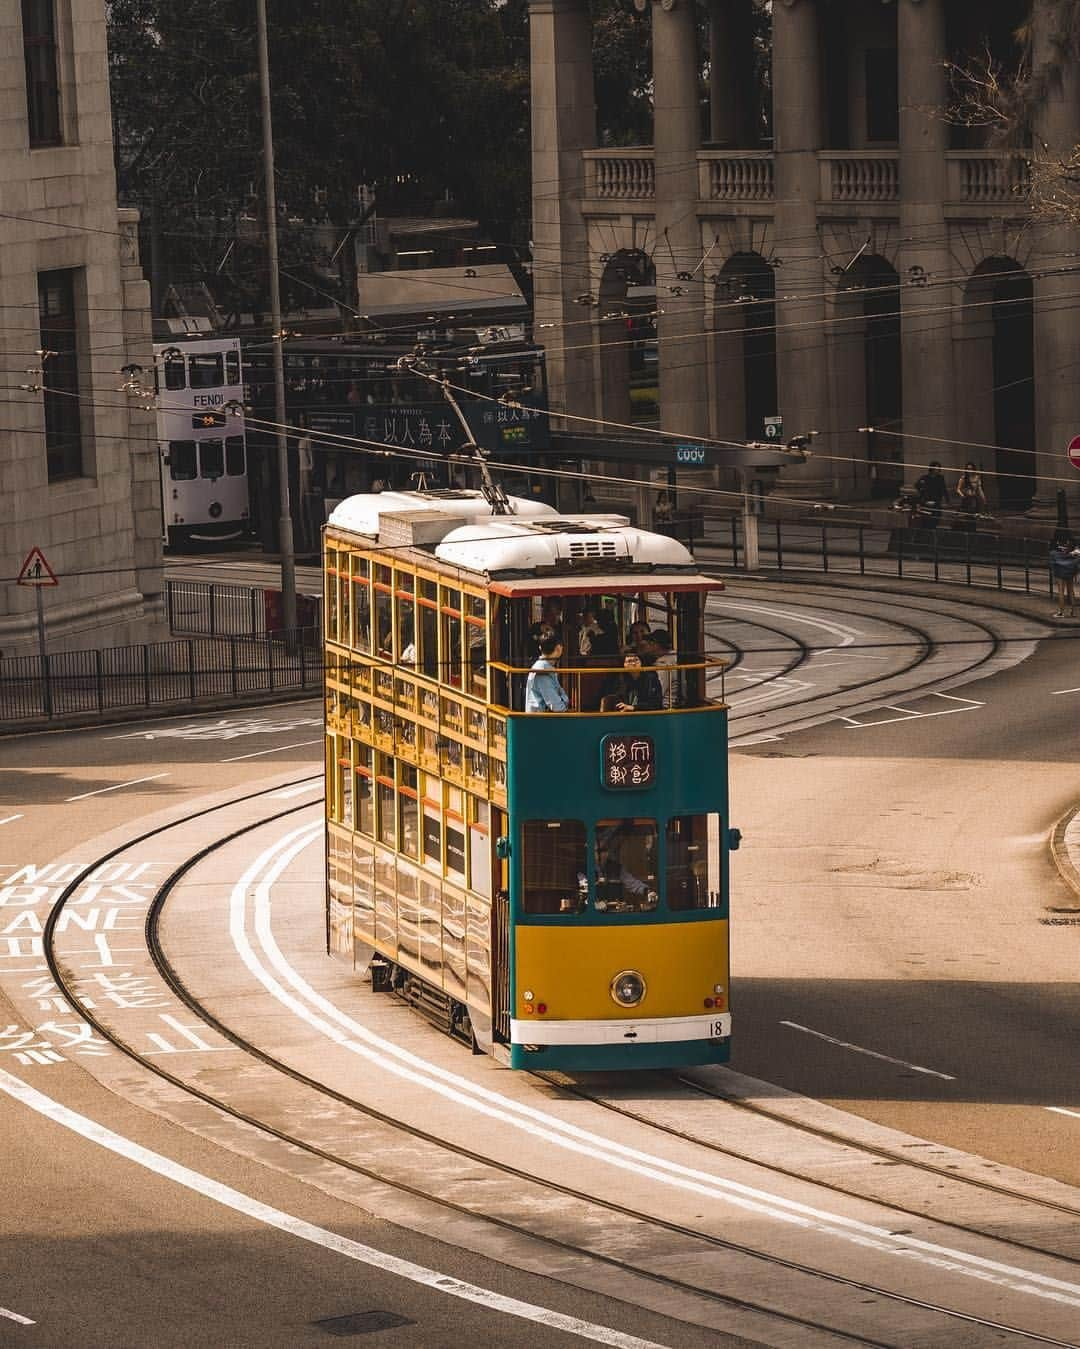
{"x": 847, "y": 635}
{"x": 259, "y": 878}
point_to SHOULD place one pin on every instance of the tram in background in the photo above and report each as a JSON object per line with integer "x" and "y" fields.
{"x": 201, "y": 440}
{"x": 338, "y": 389}
{"x": 550, "y": 888}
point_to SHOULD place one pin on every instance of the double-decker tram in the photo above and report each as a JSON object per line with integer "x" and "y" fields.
{"x": 549, "y": 886}
{"x": 202, "y": 444}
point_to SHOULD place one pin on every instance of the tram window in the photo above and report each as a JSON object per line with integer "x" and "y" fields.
{"x": 554, "y": 866}
{"x": 408, "y": 811}
{"x": 384, "y": 622}
{"x": 384, "y": 796}
{"x": 232, "y": 367}
{"x": 183, "y": 463}
{"x": 626, "y": 862}
{"x": 175, "y": 369}
{"x": 455, "y": 847}
{"x": 361, "y": 605}
{"x": 451, "y": 638}
{"x": 479, "y": 847}
{"x": 211, "y": 459}
{"x": 365, "y": 797}
{"x": 693, "y": 862}
{"x": 234, "y": 456}
{"x": 206, "y": 371}
{"x": 429, "y": 641}
{"x": 406, "y": 631}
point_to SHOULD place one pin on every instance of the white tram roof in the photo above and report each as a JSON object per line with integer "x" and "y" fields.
{"x": 459, "y": 528}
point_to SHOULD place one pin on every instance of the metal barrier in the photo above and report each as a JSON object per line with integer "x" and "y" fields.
{"x": 158, "y": 674}
{"x": 839, "y": 548}
{"x": 215, "y": 609}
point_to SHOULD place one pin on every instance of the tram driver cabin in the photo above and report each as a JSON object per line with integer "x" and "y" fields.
{"x": 491, "y": 865}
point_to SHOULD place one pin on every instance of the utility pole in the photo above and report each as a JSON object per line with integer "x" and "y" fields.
{"x": 285, "y": 529}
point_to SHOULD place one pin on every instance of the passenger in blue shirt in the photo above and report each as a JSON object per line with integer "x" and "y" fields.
{"x": 543, "y": 692}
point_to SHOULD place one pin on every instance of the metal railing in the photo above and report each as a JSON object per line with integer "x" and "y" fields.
{"x": 157, "y": 674}
{"x": 225, "y": 609}
{"x": 956, "y": 557}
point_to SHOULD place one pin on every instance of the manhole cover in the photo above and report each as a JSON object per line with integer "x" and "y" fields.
{"x": 362, "y": 1323}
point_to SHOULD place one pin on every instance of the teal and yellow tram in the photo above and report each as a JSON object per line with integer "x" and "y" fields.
{"x": 550, "y": 886}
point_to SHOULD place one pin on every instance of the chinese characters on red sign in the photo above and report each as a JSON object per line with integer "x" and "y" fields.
{"x": 627, "y": 761}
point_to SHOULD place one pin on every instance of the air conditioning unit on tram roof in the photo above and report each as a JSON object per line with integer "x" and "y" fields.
{"x": 416, "y": 529}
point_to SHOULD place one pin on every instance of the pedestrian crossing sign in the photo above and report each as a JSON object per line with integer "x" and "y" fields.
{"x": 35, "y": 571}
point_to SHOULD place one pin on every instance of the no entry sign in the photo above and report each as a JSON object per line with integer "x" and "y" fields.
{"x": 1074, "y": 451}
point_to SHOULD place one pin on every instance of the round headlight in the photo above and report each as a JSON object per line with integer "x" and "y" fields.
{"x": 214, "y": 510}
{"x": 628, "y": 988}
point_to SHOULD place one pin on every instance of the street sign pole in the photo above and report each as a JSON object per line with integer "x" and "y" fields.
{"x": 42, "y": 650}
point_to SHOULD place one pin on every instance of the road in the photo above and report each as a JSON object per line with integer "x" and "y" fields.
{"x": 893, "y": 959}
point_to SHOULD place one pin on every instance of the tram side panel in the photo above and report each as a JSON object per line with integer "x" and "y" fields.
{"x": 612, "y": 880}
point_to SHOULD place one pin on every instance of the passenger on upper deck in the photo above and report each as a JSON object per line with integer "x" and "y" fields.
{"x": 543, "y": 692}
{"x": 656, "y": 649}
{"x": 637, "y": 689}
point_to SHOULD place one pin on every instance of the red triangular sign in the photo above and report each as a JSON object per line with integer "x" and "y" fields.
{"x": 35, "y": 571}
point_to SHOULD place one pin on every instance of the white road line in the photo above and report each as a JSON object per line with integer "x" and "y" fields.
{"x": 116, "y": 787}
{"x": 910, "y": 715}
{"x": 14, "y": 1316}
{"x": 846, "y": 635}
{"x": 1057, "y": 692}
{"x": 1057, "y": 1109}
{"x": 297, "y": 1227}
{"x": 299, "y": 790}
{"x": 870, "y": 1053}
{"x": 349, "y": 1034}
{"x": 276, "y": 750}
{"x": 8, "y": 819}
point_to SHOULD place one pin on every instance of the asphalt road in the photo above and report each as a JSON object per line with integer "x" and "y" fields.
{"x": 897, "y": 952}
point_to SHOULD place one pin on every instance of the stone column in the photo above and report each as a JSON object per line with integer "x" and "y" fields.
{"x": 1053, "y": 260}
{"x": 563, "y": 125}
{"x": 682, "y": 351}
{"x": 800, "y": 306}
{"x": 732, "y": 91}
{"x": 924, "y": 261}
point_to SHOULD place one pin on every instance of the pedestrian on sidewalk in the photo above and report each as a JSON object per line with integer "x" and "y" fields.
{"x": 932, "y": 492}
{"x": 969, "y": 492}
{"x": 1064, "y": 564}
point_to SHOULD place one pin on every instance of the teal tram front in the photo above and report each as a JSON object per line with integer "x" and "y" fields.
{"x": 549, "y": 886}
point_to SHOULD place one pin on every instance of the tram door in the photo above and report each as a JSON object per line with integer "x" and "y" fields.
{"x": 500, "y": 940}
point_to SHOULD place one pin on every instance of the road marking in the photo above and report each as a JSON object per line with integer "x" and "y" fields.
{"x": 299, "y": 790}
{"x": 846, "y": 635}
{"x": 909, "y": 714}
{"x": 1057, "y": 1109}
{"x": 116, "y": 787}
{"x": 349, "y": 1034}
{"x": 870, "y": 1053}
{"x": 14, "y": 1316}
{"x": 1057, "y": 692}
{"x": 276, "y": 750}
{"x": 297, "y": 1227}
{"x": 8, "y": 819}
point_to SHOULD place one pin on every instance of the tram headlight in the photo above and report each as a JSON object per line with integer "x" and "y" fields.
{"x": 214, "y": 510}
{"x": 628, "y": 988}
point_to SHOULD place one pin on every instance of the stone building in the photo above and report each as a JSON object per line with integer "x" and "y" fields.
{"x": 79, "y": 475}
{"x": 854, "y": 259}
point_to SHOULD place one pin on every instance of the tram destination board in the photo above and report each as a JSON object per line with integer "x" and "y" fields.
{"x": 627, "y": 762}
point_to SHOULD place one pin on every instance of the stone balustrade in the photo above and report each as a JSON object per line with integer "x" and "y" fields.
{"x": 975, "y": 177}
{"x": 987, "y": 177}
{"x": 735, "y": 175}
{"x": 859, "y": 176}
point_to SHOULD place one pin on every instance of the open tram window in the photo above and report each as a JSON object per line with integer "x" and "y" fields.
{"x": 206, "y": 370}
{"x": 384, "y": 795}
{"x": 553, "y": 866}
{"x": 361, "y": 604}
{"x": 408, "y": 811}
{"x": 428, "y": 600}
{"x": 625, "y": 861}
{"x": 451, "y": 636}
{"x": 183, "y": 464}
{"x": 211, "y": 459}
{"x": 406, "y": 619}
{"x": 384, "y": 613}
{"x": 693, "y": 862}
{"x": 234, "y": 456}
{"x": 175, "y": 369}
{"x": 364, "y": 792}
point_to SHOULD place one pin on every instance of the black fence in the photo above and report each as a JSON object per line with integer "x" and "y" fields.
{"x": 955, "y": 557}
{"x": 158, "y": 675}
{"x": 223, "y": 609}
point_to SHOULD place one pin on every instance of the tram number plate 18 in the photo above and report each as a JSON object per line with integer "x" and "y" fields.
{"x": 627, "y": 762}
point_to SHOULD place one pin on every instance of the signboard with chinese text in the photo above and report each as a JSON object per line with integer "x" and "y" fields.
{"x": 627, "y": 762}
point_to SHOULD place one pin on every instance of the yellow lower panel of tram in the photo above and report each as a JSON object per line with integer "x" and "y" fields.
{"x": 570, "y": 969}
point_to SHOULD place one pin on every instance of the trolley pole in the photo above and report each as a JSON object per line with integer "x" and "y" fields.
{"x": 285, "y": 528}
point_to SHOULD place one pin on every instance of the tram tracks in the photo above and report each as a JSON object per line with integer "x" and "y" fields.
{"x": 530, "y": 1192}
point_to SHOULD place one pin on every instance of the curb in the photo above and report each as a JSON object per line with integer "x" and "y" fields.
{"x": 1060, "y": 851}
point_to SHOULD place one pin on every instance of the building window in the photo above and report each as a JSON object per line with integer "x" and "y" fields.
{"x": 60, "y": 374}
{"x": 42, "y": 72}
{"x": 882, "y": 96}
